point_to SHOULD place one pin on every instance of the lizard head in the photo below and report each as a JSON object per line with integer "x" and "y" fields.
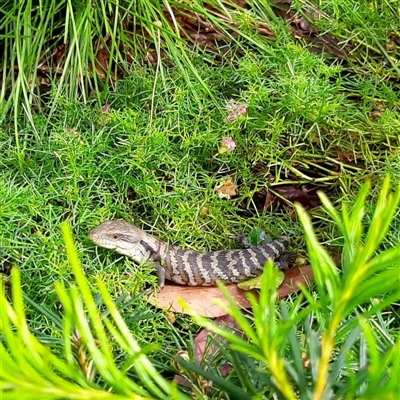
{"x": 122, "y": 237}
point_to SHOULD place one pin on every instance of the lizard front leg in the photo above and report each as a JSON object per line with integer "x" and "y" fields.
{"x": 160, "y": 273}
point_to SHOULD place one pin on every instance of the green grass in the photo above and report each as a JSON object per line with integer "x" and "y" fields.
{"x": 309, "y": 120}
{"x": 327, "y": 346}
{"x": 88, "y": 166}
{"x": 60, "y": 42}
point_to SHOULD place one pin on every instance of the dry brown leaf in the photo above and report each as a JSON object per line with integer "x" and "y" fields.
{"x": 102, "y": 61}
{"x": 205, "y": 350}
{"x": 204, "y": 300}
{"x": 201, "y": 346}
{"x": 294, "y": 279}
{"x": 201, "y": 300}
{"x": 226, "y": 189}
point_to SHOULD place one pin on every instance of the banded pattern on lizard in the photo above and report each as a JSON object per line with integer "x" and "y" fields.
{"x": 187, "y": 267}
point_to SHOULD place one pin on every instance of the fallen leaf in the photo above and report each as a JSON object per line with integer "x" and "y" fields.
{"x": 180, "y": 380}
{"x": 294, "y": 278}
{"x": 281, "y": 196}
{"x": 201, "y": 300}
{"x": 226, "y": 189}
{"x": 204, "y": 349}
{"x": 102, "y": 62}
{"x": 256, "y": 283}
{"x": 209, "y": 301}
{"x": 304, "y": 27}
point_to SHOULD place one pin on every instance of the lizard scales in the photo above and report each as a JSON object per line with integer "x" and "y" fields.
{"x": 187, "y": 267}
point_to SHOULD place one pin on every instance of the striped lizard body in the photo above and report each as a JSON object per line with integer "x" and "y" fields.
{"x": 187, "y": 267}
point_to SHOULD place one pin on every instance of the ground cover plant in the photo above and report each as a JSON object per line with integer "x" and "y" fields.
{"x": 151, "y": 151}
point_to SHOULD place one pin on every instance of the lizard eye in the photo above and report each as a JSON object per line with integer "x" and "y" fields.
{"x": 115, "y": 236}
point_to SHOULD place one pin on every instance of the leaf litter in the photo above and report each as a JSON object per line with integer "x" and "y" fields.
{"x": 198, "y": 32}
{"x": 209, "y": 301}
{"x": 203, "y": 301}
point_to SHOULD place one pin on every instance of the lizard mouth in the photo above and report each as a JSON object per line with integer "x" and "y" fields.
{"x": 101, "y": 241}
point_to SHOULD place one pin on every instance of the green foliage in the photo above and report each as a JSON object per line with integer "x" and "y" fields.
{"x": 63, "y": 40}
{"x": 152, "y": 158}
{"x": 87, "y": 367}
{"x": 88, "y": 166}
{"x": 323, "y": 345}
{"x": 31, "y": 34}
